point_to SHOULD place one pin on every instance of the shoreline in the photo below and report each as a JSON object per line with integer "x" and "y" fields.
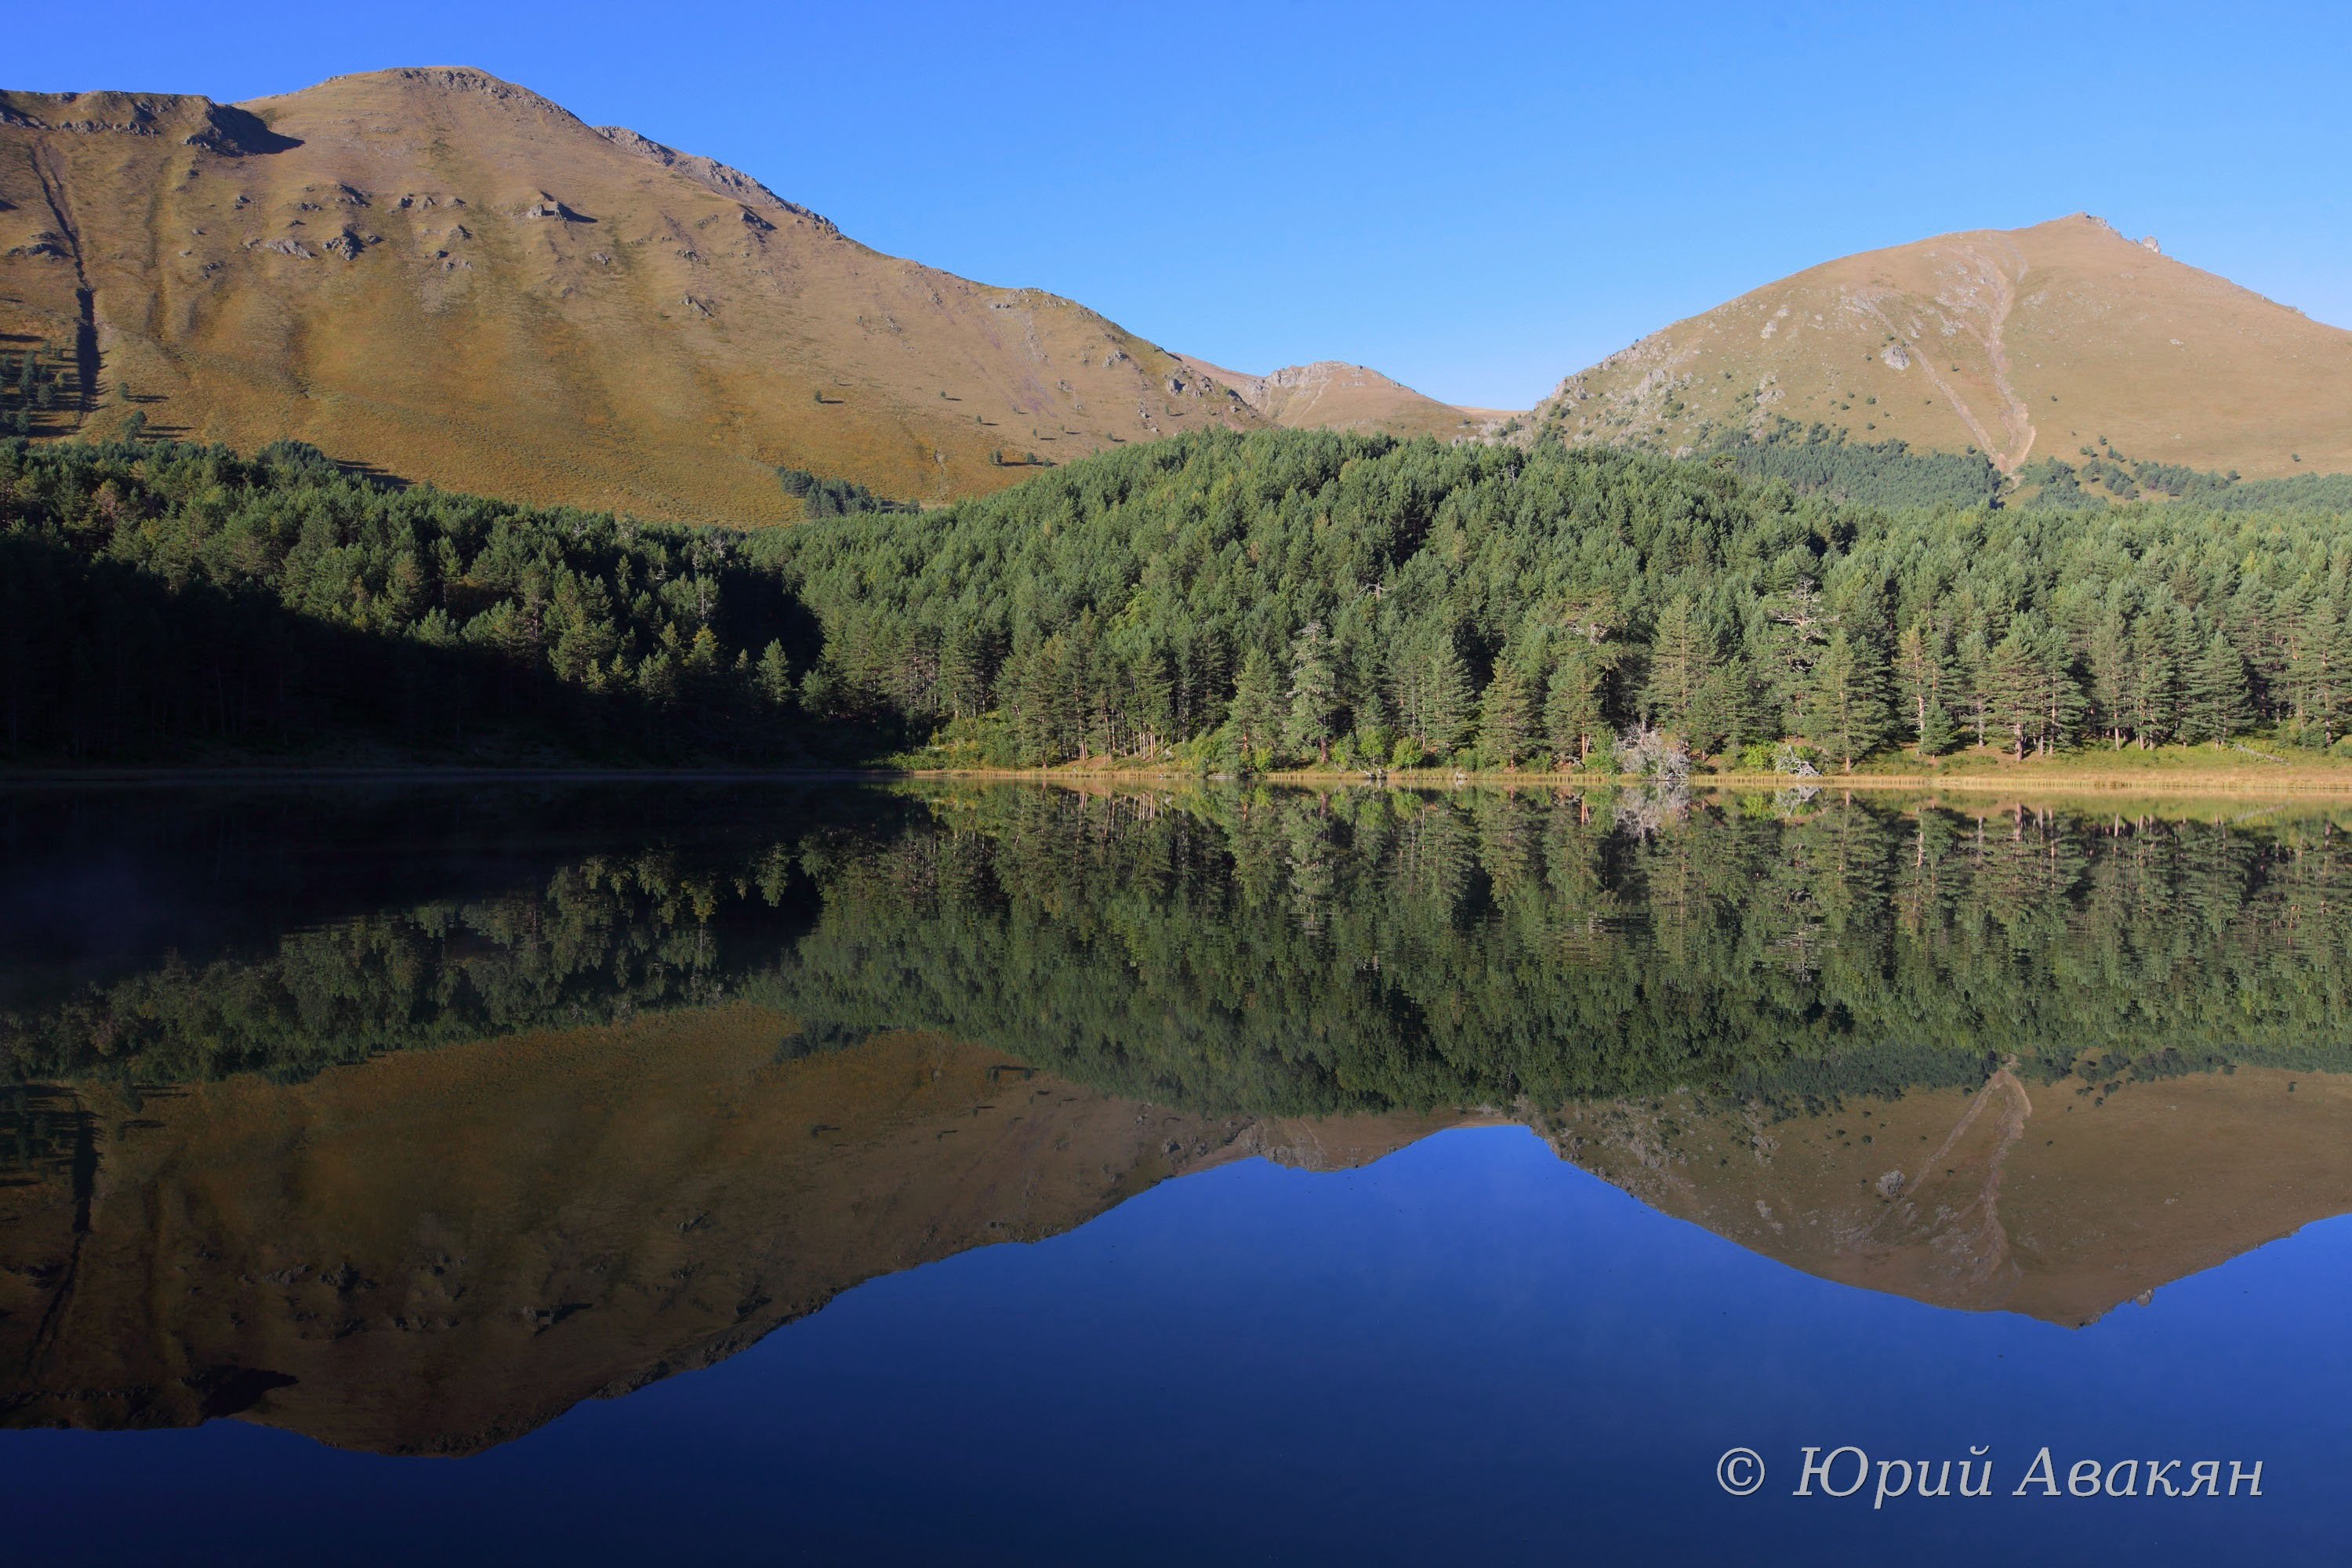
{"x": 2323, "y": 779}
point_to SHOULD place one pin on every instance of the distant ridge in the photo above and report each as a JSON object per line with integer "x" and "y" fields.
{"x": 1331, "y": 395}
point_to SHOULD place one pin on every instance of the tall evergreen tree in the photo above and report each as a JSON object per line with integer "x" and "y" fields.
{"x": 1922, "y": 671}
{"x": 2151, "y": 702}
{"x": 2108, "y": 657}
{"x": 963, "y": 671}
{"x": 1434, "y": 694}
{"x": 2214, "y": 704}
{"x": 2322, "y": 662}
{"x": 1846, "y": 711}
{"x": 1682, "y": 657}
{"x": 1506, "y": 722}
{"x": 1314, "y": 694}
{"x": 1256, "y": 710}
{"x": 2010, "y": 694}
{"x": 1572, "y": 715}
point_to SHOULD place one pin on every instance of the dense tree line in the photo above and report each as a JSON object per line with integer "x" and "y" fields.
{"x": 1817, "y": 460}
{"x": 2055, "y": 482}
{"x": 1274, "y": 952}
{"x": 161, "y": 599}
{"x": 1216, "y": 600}
{"x": 1296, "y": 597}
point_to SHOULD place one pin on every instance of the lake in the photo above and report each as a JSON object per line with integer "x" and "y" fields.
{"x": 1020, "y": 1174}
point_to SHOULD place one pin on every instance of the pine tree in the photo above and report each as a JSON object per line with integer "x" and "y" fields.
{"x": 2323, "y": 659}
{"x": 1798, "y": 633}
{"x": 963, "y": 675}
{"x": 1974, "y": 660}
{"x": 1846, "y": 712}
{"x": 1572, "y": 706}
{"x": 2009, "y": 700}
{"x": 1682, "y": 657}
{"x": 1255, "y": 705}
{"x": 1037, "y": 701}
{"x": 1434, "y": 697}
{"x": 1149, "y": 705}
{"x": 1506, "y": 725}
{"x": 1937, "y": 732}
{"x": 2185, "y": 643}
{"x": 1922, "y": 671}
{"x": 2108, "y": 657}
{"x": 1313, "y": 693}
{"x": 2151, "y": 704}
{"x": 2057, "y": 696}
{"x": 1731, "y": 710}
{"x": 2214, "y": 705}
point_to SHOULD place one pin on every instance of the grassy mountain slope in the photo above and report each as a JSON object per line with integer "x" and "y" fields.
{"x": 2021, "y": 343}
{"x": 452, "y": 279}
{"x": 1329, "y": 395}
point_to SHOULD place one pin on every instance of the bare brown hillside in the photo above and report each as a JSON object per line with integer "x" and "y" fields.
{"x": 1329, "y": 395}
{"x": 451, "y": 279}
{"x": 2021, "y": 343}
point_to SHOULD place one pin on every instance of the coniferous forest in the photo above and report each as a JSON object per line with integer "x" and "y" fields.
{"x": 1212, "y": 601}
{"x": 1304, "y": 597}
{"x": 162, "y": 601}
{"x": 1238, "y": 950}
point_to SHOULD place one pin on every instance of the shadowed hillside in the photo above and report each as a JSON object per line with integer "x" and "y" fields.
{"x": 2020, "y": 343}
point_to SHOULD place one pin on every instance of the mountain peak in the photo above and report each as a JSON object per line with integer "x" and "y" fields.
{"x": 447, "y": 277}
{"x": 2019, "y": 343}
{"x": 446, "y": 79}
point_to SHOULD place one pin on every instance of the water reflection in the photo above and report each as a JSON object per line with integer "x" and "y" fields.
{"x": 409, "y": 1149}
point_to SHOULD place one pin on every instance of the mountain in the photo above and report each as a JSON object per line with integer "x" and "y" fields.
{"x": 2023, "y": 344}
{"x": 448, "y": 277}
{"x": 1329, "y": 395}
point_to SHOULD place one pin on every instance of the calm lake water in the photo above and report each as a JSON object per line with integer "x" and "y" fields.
{"x": 1019, "y": 1174}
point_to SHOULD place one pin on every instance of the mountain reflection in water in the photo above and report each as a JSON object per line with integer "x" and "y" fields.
{"x": 408, "y": 1119}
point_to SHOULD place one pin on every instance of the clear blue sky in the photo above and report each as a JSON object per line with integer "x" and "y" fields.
{"x": 1477, "y": 200}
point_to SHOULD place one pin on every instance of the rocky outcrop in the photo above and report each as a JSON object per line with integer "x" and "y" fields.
{"x": 709, "y": 171}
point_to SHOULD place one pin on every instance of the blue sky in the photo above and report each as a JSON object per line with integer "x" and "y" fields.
{"x": 1476, "y": 199}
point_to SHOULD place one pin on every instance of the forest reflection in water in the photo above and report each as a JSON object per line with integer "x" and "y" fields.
{"x": 407, "y": 1118}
